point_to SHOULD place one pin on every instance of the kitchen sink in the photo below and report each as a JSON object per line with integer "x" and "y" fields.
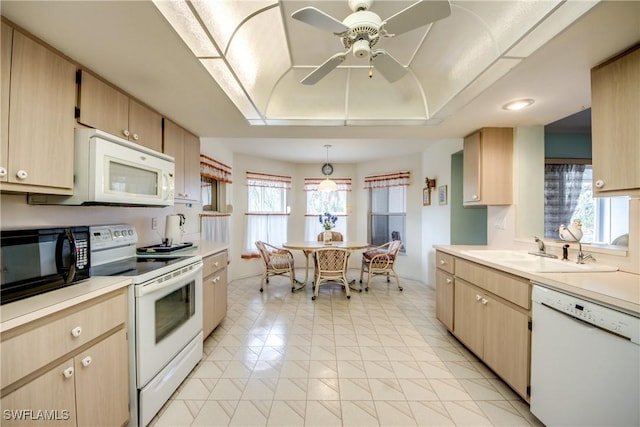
{"x": 535, "y": 264}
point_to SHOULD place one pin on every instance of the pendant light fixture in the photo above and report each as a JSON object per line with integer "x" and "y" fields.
{"x": 327, "y": 185}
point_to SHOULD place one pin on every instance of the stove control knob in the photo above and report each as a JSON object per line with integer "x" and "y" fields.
{"x": 130, "y": 232}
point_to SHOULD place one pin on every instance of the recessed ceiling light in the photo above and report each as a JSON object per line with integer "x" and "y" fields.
{"x": 518, "y": 104}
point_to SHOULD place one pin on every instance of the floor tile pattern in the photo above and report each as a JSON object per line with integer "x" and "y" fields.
{"x": 378, "y": 359}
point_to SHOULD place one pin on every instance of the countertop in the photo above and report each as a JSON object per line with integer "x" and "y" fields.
{"x": 618, "y": 290}
{"x": 20, "y": 312}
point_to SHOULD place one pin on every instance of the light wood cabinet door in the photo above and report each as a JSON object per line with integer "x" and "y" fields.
{"x": 445, "y": 283}
{"x": 615, "y": 128}
{"x": 191, "y": 167}
{"x": 106, "y": 108}
{"x": 41, "y": 118}
{"x": 469, "y": 316}
{"x": 102, "y": 386}
{"x": 185, "y": 149}
{"x": 507, "y": 341}
{"x": 488, "y": 167}
{"x": 102, "y": 106}
{"x": 53, "y": 391}
{"x": 220, "y": 297}
{"x": 145, "y": 126}
{"x": 5, "y": 82}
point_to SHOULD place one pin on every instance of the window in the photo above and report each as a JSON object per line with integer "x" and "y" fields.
{"x": 214, "y": 176}
{"x": 388, "y": 207}
{"x": 569, "y": 196}
{"x": 319, "y": 202}
{"x": 267, "y": 212}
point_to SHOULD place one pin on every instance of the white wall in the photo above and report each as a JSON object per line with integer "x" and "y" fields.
{"x": 436, "y": 218}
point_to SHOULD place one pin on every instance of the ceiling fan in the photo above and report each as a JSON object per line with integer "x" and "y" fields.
{"x": 362, "y": 29}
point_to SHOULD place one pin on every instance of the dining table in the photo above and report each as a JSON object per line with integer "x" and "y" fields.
{"x": 308, "y": 247}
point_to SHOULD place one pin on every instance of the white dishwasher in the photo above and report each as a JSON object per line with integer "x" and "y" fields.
{"x": 585, "y": 362}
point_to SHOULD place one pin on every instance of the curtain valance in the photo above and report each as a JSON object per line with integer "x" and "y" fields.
{"x": 387, "y": 180}
{"x": 211, "y": 168}
{"x": 311, "y": 184}
{"x": 257, "y": 179}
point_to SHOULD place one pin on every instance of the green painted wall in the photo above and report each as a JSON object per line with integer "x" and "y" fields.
{"x": 568, "y": 146}
{"x": 468, "y": 225}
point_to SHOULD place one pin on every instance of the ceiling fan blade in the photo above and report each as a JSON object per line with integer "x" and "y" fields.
{"x": 418, "y": 14}
{"x": 319, "y": 19}
{"x": 388, "y": 66}
{"x": 324, "y": 69}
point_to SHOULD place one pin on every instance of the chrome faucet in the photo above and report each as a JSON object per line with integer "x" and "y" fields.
{"x": 582, "y": 257}
{"x": 542, "y": 251}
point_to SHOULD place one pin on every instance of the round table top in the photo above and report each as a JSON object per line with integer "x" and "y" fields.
{"x": 308, "y": 246}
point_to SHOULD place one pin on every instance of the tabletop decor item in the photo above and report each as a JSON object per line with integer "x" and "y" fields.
{"x": 328, "y": 221}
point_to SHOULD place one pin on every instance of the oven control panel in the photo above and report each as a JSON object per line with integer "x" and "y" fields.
{"x": 112, "y": 236}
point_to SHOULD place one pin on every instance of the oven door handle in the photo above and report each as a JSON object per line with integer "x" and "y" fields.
{"x": 168, "y": 285}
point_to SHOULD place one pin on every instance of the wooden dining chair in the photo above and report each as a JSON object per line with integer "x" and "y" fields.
{"x": 277, "y": 262}
{"x": 331, "y": 267}
{"x": 381, "y": 260}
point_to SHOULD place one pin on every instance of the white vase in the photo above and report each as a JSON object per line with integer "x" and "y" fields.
{"x": 327, "y": 237}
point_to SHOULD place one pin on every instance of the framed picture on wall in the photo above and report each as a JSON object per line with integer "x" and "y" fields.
{"x": 442, "y": 195}
{"x": 426, "y": 196}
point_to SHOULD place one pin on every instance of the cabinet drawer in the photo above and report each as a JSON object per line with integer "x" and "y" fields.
{"x": 445, "y": 262}
{"x": 214, "y": 263}
{"x": 34, "y": 345}
{"x": 512, "y": 288}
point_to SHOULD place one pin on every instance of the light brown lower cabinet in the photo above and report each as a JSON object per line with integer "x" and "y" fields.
{"x": 87, "y": 386}
{"x": 214, "y": 291}
{"x": 491, "y": 313}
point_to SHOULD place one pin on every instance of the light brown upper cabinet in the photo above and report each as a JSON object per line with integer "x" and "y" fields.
{"x": 103, "y": 107}
{"x": 615, "y": 128}
{"x": 38, "y": 99}
{"x": 488, "y": 167}
{"x": 185, "y": 148}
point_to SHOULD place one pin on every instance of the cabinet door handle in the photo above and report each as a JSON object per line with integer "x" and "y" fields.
{"x": 478, "y": 297}
{"x": 474, "y": 197}
{"x": 22, "y": 174}
{"x": 68, "y": 373}
{"x": 442, "y": 262}
{"x": 215, "y": 279}
{"x": 75, "y": 332}
{"x": 484, "y": 301}
{"x": 216, "y": 263}
{"x": 3, "y": 172}
{"x": 86, "y": 361}
{"x": 126, "y": 133}
{"x": 448, "y": 280}
{"x": 599, "y": 183}
{"x": 136, "y": 136}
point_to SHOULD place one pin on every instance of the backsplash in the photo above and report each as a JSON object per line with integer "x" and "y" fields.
{"x": 16, "y": 213}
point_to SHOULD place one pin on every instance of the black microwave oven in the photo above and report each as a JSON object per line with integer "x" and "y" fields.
{"x": 40, "y": 260}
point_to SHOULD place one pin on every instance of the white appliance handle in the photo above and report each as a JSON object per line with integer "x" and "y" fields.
{"x": 170, "y": 285}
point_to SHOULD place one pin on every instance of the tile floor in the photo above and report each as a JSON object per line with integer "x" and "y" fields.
{"x": 378, "y": 359}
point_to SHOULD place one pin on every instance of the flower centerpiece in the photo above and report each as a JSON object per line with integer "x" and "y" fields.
{"x": 328, "y": 221}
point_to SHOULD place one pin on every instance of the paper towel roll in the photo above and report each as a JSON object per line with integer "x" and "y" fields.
{"x": 172, "y": 229}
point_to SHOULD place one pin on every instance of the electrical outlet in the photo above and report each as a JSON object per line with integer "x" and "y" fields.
{"x": 501, "y": 223}
{"x": 154, "y": 223}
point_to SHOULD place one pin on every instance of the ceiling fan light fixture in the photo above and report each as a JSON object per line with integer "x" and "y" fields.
{"x": 518, "y": 104}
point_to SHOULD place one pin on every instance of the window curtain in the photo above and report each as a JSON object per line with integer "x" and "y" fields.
{"x": 563, "y": 183}
{"x": 311, "y": 184}
{"x": 211, "y": 168}
{"x": 270, "y": 228}
{"x": 312, "y": 226}
{"x": 387, "y": 180}
{"x": 216, "y": 227}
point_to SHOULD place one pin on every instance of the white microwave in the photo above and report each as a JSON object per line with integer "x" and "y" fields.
{"x": 112, "y": 171}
